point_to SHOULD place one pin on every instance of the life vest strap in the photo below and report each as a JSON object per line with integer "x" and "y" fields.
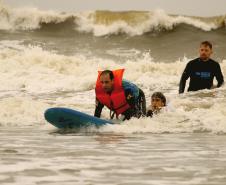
{"x": 120, "y": 106}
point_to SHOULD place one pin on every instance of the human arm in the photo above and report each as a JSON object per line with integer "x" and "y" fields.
{"x": 149, "y": 113}
{"x": 153, "y": 110}
{"x": 219, "y": 76}
{"x": 98, "y": 109}
{"x": 131, "y": 92}
{"x": 184, "y": 77}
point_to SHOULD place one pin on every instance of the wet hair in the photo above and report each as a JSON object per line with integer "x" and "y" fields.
{"x": 105, "y": 72}
{"x": 206, "y": 43}
{"x": 159, "y": 95}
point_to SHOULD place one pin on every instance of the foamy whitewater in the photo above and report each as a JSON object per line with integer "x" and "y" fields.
{"x": 50, "y": 59}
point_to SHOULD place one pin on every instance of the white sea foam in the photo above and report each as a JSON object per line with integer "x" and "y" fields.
{"x": 27, "y": 18}
{"x": 33, "y": 80}
{"x": 156, "y": 21}
{"x": 102, "y": 23}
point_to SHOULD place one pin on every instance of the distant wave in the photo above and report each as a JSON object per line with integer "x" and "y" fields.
{"x": 101, "y": 23}
{"x": 137, "y": 23}
{"x": 28, "y": 18}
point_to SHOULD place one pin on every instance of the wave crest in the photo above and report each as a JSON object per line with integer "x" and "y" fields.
{"x": 101, "y": 23}
{"x": 138, "y": 23}
{"x": 28, "y": 18}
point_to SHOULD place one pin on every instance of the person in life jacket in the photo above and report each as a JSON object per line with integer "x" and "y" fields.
{"x": 122, "y": 97}
{"x": 158, "y": 101}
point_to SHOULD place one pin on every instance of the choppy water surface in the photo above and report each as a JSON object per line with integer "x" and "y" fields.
{"x": 43, "y": 156}
{"x": 50, "y": 59}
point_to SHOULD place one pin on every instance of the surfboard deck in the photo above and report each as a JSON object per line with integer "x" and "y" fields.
{"x": 69, "y": 118}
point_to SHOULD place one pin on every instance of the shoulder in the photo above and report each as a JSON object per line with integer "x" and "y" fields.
{"x": 130, "y": 87}
{"x": 194, "y": 61}
{"x": 213, "y": 62}
{"x": 127, "y": 84}
{"x": 191, "y": 63}
{"x": 215, "y": 65}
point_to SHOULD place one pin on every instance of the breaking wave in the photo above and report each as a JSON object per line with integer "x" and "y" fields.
{"x": 100, "y": 23}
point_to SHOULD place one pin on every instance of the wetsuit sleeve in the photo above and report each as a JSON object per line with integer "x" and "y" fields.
{"x": 184, "y": 77}
{"x": 98, "y": 109}
{"x": 219, "y": 76}
{"x": 131, "y": 92}
{"x": 130, "y": 97}
{"x": 142, "y": 102}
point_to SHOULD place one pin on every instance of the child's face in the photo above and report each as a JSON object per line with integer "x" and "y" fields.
{"x": 156, "y": 103}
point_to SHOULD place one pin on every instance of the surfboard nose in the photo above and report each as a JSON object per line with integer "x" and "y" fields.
{"x": 50, "y": 114}
{"x": 68, "y": 118}
{"x": 60, "y": 117}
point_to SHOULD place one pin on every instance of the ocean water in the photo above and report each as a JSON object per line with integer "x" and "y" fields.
{"x": 50, "y": 59}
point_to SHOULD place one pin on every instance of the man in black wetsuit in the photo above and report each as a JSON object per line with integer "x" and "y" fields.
{"x": 202, "y": 71}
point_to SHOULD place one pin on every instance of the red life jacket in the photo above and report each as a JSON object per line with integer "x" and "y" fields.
{"x": 115, "y": 101}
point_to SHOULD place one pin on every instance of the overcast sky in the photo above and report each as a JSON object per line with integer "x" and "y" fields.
{"x": 185, "y": 7}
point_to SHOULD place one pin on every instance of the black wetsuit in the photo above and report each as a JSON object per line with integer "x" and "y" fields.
{"x": 137, "y": 105}
{"x": 201, "y": 75}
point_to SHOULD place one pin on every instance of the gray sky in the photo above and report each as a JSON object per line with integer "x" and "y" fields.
{"x": 185, "y": 7}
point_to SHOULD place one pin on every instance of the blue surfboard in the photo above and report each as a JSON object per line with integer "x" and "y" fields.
{"x": 69, "y": 118}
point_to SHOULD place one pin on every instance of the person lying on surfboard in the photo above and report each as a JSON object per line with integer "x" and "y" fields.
{"x": 122, "y": 97}
{"x": 158, "y": 101}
